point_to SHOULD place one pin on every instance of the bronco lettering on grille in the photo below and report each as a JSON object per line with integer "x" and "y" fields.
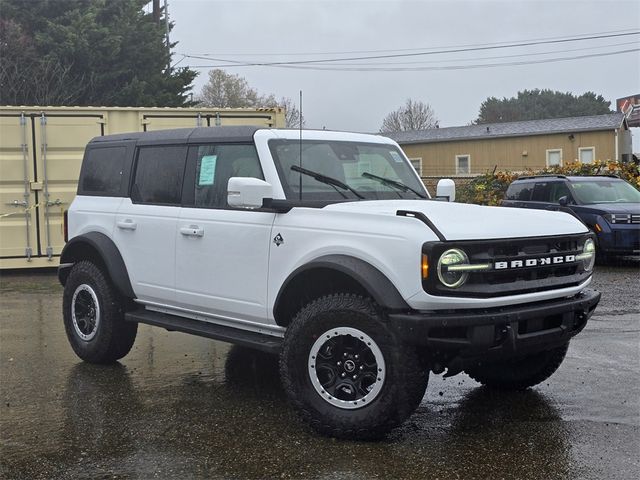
{"x": 534, "y": 262}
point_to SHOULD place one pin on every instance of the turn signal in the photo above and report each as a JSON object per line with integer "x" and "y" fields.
{"x": 425, "y": 267}
{"x": 598, "y": 228}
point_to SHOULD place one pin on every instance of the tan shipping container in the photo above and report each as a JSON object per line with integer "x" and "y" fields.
{"x": 41, "y": 151}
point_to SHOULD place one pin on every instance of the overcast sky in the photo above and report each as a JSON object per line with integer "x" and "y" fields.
{"x": 267, "y": 31}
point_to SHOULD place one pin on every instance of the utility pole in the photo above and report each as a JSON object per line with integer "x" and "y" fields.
{"x": 166, "y": 25}
{"x": 155, "y": 12}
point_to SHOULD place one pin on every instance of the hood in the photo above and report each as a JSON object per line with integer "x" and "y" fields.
{"x": 633, "y": 208}
{"x": 460, "y": 221}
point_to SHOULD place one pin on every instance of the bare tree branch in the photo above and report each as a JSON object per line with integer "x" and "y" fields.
{"x": 413, "y": 115}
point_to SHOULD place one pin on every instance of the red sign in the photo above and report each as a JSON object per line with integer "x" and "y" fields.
{"x": 630, "y": 106}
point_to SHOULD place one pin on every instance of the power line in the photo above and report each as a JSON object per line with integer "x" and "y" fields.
{"x": 279, "y": 54}
{"x": 237, "y": 63}
{"x": 465, "y": 67}
{"x": 496, "y": 57}
{"x": 442, "y": 68}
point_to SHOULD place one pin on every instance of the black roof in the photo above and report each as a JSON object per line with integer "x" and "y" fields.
{"x": 185, "y": 135}
{"x": 608, "y": 121}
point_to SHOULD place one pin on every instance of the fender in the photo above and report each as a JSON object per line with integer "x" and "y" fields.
{"x": 373, "y": 280}
{"x": 104, "y": 247}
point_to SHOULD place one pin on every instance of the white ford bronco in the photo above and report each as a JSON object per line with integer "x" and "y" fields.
{"x": 325, "y": 248}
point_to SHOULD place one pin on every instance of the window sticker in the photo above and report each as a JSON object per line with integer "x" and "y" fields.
{"x": 207, "y": 170}
{"x": 396, "y": 156}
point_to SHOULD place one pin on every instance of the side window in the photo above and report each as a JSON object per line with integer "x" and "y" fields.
{"x": 519, "y": 191}
{"x": 214, "y": 166}
{"x": 540, "y": 192}
{"x": 158, "y": 177}
{"x": 102, "y": 171}
{"x": 557, "y": 190}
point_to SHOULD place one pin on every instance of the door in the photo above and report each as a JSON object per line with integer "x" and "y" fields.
{"x": 146, "y": 222}
{"x": 60, "y": 141}
{"x": 18, "y": 237}
{"x": 222, "y": 254}
{"x": 40, "y": 159}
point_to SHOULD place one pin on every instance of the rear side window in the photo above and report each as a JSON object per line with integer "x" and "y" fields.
{"x": 159, "y": 173}
{"x": 540, "y": 192}
{"x": 519, "y": 191}
{"x": 559, "y": 190}
{"x": 102, "y": 171}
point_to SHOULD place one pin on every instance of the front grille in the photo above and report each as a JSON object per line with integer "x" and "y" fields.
{"x": 617, "y": 218}
{"x": 530, "y": 265}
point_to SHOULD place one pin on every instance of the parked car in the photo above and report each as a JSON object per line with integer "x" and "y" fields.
{"x": 608, "y": 205}
{"x": 325, "y": 248}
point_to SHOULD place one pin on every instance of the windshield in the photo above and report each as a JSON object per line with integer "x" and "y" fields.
{"x": 605, "y": 191}
{"x": 345, "y": 162}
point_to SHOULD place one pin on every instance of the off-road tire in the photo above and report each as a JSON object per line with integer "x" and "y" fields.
{"x": 404, "y": 384}
{"x": 113, "y": 336}
{"x": 519, "y": 374}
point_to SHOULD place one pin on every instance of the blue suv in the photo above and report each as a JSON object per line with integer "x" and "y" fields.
{"x": 608, "y": 205}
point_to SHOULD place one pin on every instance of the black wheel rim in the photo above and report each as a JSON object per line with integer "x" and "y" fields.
{"x": 346, "y": 367}
{"x": 85, "y": 312}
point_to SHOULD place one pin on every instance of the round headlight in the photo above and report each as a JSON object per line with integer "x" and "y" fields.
{"x": 589, "y": 254}
{"x": 450, "y": 258}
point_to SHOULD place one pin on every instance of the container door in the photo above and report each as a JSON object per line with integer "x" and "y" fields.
{"x": 60, "y": 141}
{"x": 17, "y": 200}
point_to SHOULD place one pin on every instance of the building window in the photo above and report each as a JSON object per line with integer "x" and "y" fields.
{"x": 417, "y": 164}
{"x": 587, "y": 154}
{"x": 463, "y": 164}
{"x": 554, "y": 157}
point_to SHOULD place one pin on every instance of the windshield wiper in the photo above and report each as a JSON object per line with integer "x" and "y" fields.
{"x": 328, "y": 180}
{"x": 393, "y": 183}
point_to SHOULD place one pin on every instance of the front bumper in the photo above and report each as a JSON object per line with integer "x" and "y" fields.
{"x": 620, "y": 239}
{"x": 496, "y": 333}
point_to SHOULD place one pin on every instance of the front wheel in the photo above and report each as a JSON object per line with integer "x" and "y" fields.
{"x": 93, "y": 313}
{"x": 519, "y": 374}
{"x": 345, "y": 373}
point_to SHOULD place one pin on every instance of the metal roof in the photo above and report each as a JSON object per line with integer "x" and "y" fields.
{"x": 609, "y": 121}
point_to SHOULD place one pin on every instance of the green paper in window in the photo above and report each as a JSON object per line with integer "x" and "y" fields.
{"x": 207, "y": 169}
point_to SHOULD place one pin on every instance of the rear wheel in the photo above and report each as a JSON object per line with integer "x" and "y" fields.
{"x": 345, "y": 373}
{"x": 93, "y": 314}
{"x": 519, "y": 374}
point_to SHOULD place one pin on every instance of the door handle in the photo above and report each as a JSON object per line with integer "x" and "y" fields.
{"x": 127, "y": 224}
{"x": 192, "y": 231}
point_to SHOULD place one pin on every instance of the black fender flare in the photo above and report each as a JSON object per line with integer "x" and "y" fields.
{"x": 372, "y": 280}
{"x": 109, "y": 254}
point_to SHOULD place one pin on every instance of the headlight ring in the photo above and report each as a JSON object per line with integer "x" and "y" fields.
{"x": 451, "y": 257}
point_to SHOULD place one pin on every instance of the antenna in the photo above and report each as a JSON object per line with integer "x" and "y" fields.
{"x": 300, "y": 160}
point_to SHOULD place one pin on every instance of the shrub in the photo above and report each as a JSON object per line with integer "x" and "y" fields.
{"x": 489, "y": 188}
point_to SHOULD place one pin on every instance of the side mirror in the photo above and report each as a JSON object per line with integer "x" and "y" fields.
{"x": 563, "y": 201}
{"x": 247, "y": 192}
{"x": 446, "y": 189}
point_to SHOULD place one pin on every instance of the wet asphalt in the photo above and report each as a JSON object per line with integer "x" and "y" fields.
{"x": 184, "y": 407}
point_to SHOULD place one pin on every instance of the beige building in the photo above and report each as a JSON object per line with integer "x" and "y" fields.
{"x": 516, "y": 146}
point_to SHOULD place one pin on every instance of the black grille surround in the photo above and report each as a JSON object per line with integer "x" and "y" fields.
{"x": 510, "y": 281}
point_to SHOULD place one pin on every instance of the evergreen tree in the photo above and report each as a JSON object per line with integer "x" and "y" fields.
{"x": 86, "y": 52}
{"x": 536, "y": 104}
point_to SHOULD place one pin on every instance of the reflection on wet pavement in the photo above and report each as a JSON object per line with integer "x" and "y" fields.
{"x": 184, "y": 407}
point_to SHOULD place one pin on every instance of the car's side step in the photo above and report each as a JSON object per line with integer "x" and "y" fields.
{"x": 267, "y": 343}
